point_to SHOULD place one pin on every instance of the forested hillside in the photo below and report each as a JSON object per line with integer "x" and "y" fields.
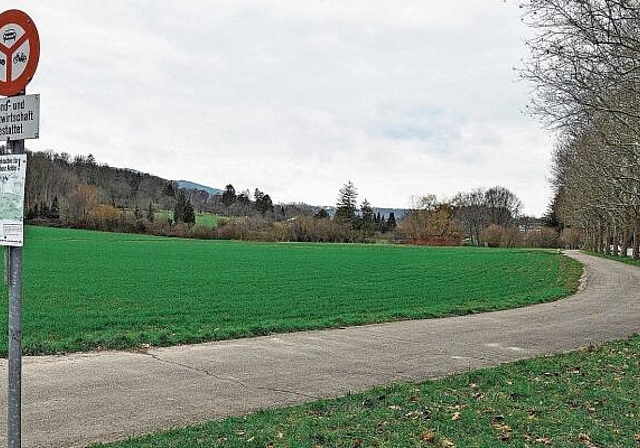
{"x": 80, "y": 192}
{"x": 57, "y": 183}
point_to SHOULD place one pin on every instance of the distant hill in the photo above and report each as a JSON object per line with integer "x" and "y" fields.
{"x": 194, "y": 186}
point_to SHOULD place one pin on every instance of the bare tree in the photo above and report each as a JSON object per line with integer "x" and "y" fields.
{"x": 470, "y": 213}
{"x": 584, "y": 64}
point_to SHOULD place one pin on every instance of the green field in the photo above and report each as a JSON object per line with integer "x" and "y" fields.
{"x": 202, "y": 219}
{"x": 88, "y": 290}
{"x": 587, "y": 399}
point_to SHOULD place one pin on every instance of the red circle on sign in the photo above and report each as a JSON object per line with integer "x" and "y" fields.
{"x": 16, "y": 30}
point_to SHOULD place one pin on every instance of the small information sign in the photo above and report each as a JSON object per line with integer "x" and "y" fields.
{"x": 20, "y": 117}
{"x": 13, "y": 169}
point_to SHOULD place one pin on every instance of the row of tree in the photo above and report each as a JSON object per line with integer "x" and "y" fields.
{"x": 362, "y": 219}
{"x": 79, "y": 192}
{"x": 479, "y": 217}
{"x": 583, "y": 64}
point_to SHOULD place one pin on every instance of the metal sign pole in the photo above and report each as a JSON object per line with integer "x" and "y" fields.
{"x": 6, "y": 266}
{"x": 20, "y": 36}
{"x": 14, "y": 432}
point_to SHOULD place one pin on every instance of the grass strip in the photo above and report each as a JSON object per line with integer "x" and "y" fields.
{"x": 626, "y": 260}
{"x": 91, "y": 291}
{"x": 581, "y": 399}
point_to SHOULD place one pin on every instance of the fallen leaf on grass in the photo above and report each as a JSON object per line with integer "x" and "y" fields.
{"x": 586, "y": 441}
{"x": 456, "y": 416}
{"x": 478, "y": 395}
{"x": 428, "y": 436}
{"x": 544, "y": 441}
{"x": 504, "y": 432}
{"x": 446, "y": 443}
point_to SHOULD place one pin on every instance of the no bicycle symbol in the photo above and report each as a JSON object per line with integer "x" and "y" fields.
{"x": 19, "y": 51}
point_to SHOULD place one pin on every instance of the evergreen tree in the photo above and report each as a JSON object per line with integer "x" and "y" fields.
{"x": 550, "y": 218}
{"x": 55, "y": 208}
{"x": 346, "y": 206}
{"x": 44, "y": 211}
{"x": 151, "y": 215}
{"x": 169, "y": 190}
{"x": 258, "y": 197}
{"x": 183, "y": 210}
{"x": 391, "y": 222}
{"x": 321, "y": 214}
{"x": 263, "y": 202}
{"x": 189, "y": 214}
{"x": 382, "y": 225}
{"x": 267, "y": 205}
{"x": 368, "y": 218}
{"x": 229, "y": 195}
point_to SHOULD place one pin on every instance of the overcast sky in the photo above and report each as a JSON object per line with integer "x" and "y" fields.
{"x": 403, "y": 98}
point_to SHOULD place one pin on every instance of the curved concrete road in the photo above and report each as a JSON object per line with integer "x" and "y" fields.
{"x": 72, "y": 401}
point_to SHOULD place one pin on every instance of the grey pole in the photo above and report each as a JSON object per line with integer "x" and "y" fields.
{"x": 6, "y": 265}
{"x": 14, "y": 431}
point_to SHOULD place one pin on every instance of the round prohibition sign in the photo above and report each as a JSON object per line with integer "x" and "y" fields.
{"x": 19, "y": 51}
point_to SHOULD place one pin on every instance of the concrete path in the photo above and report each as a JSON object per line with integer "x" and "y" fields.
{"x": 72, "y": 401}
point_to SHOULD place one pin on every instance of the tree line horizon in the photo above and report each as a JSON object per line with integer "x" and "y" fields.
{"x": 79, "y": 192}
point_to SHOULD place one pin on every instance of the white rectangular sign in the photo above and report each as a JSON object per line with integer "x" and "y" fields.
{"x": 20, "y": 117}
{"x": 13, "y": 170}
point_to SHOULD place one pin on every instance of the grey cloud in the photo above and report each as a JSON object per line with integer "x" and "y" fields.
{"x": 294, "y": 97}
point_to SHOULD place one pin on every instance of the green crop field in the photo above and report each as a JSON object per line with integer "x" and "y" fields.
{"x": 206, "y": 219}
{"x": 89, "y": 290}
{"x": 202, "y": 219}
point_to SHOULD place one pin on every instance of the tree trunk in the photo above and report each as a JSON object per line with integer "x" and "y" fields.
{"x": 635, "y": 253}
{"x": 599, "y": 240}
{"x": 625, "y": 243}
